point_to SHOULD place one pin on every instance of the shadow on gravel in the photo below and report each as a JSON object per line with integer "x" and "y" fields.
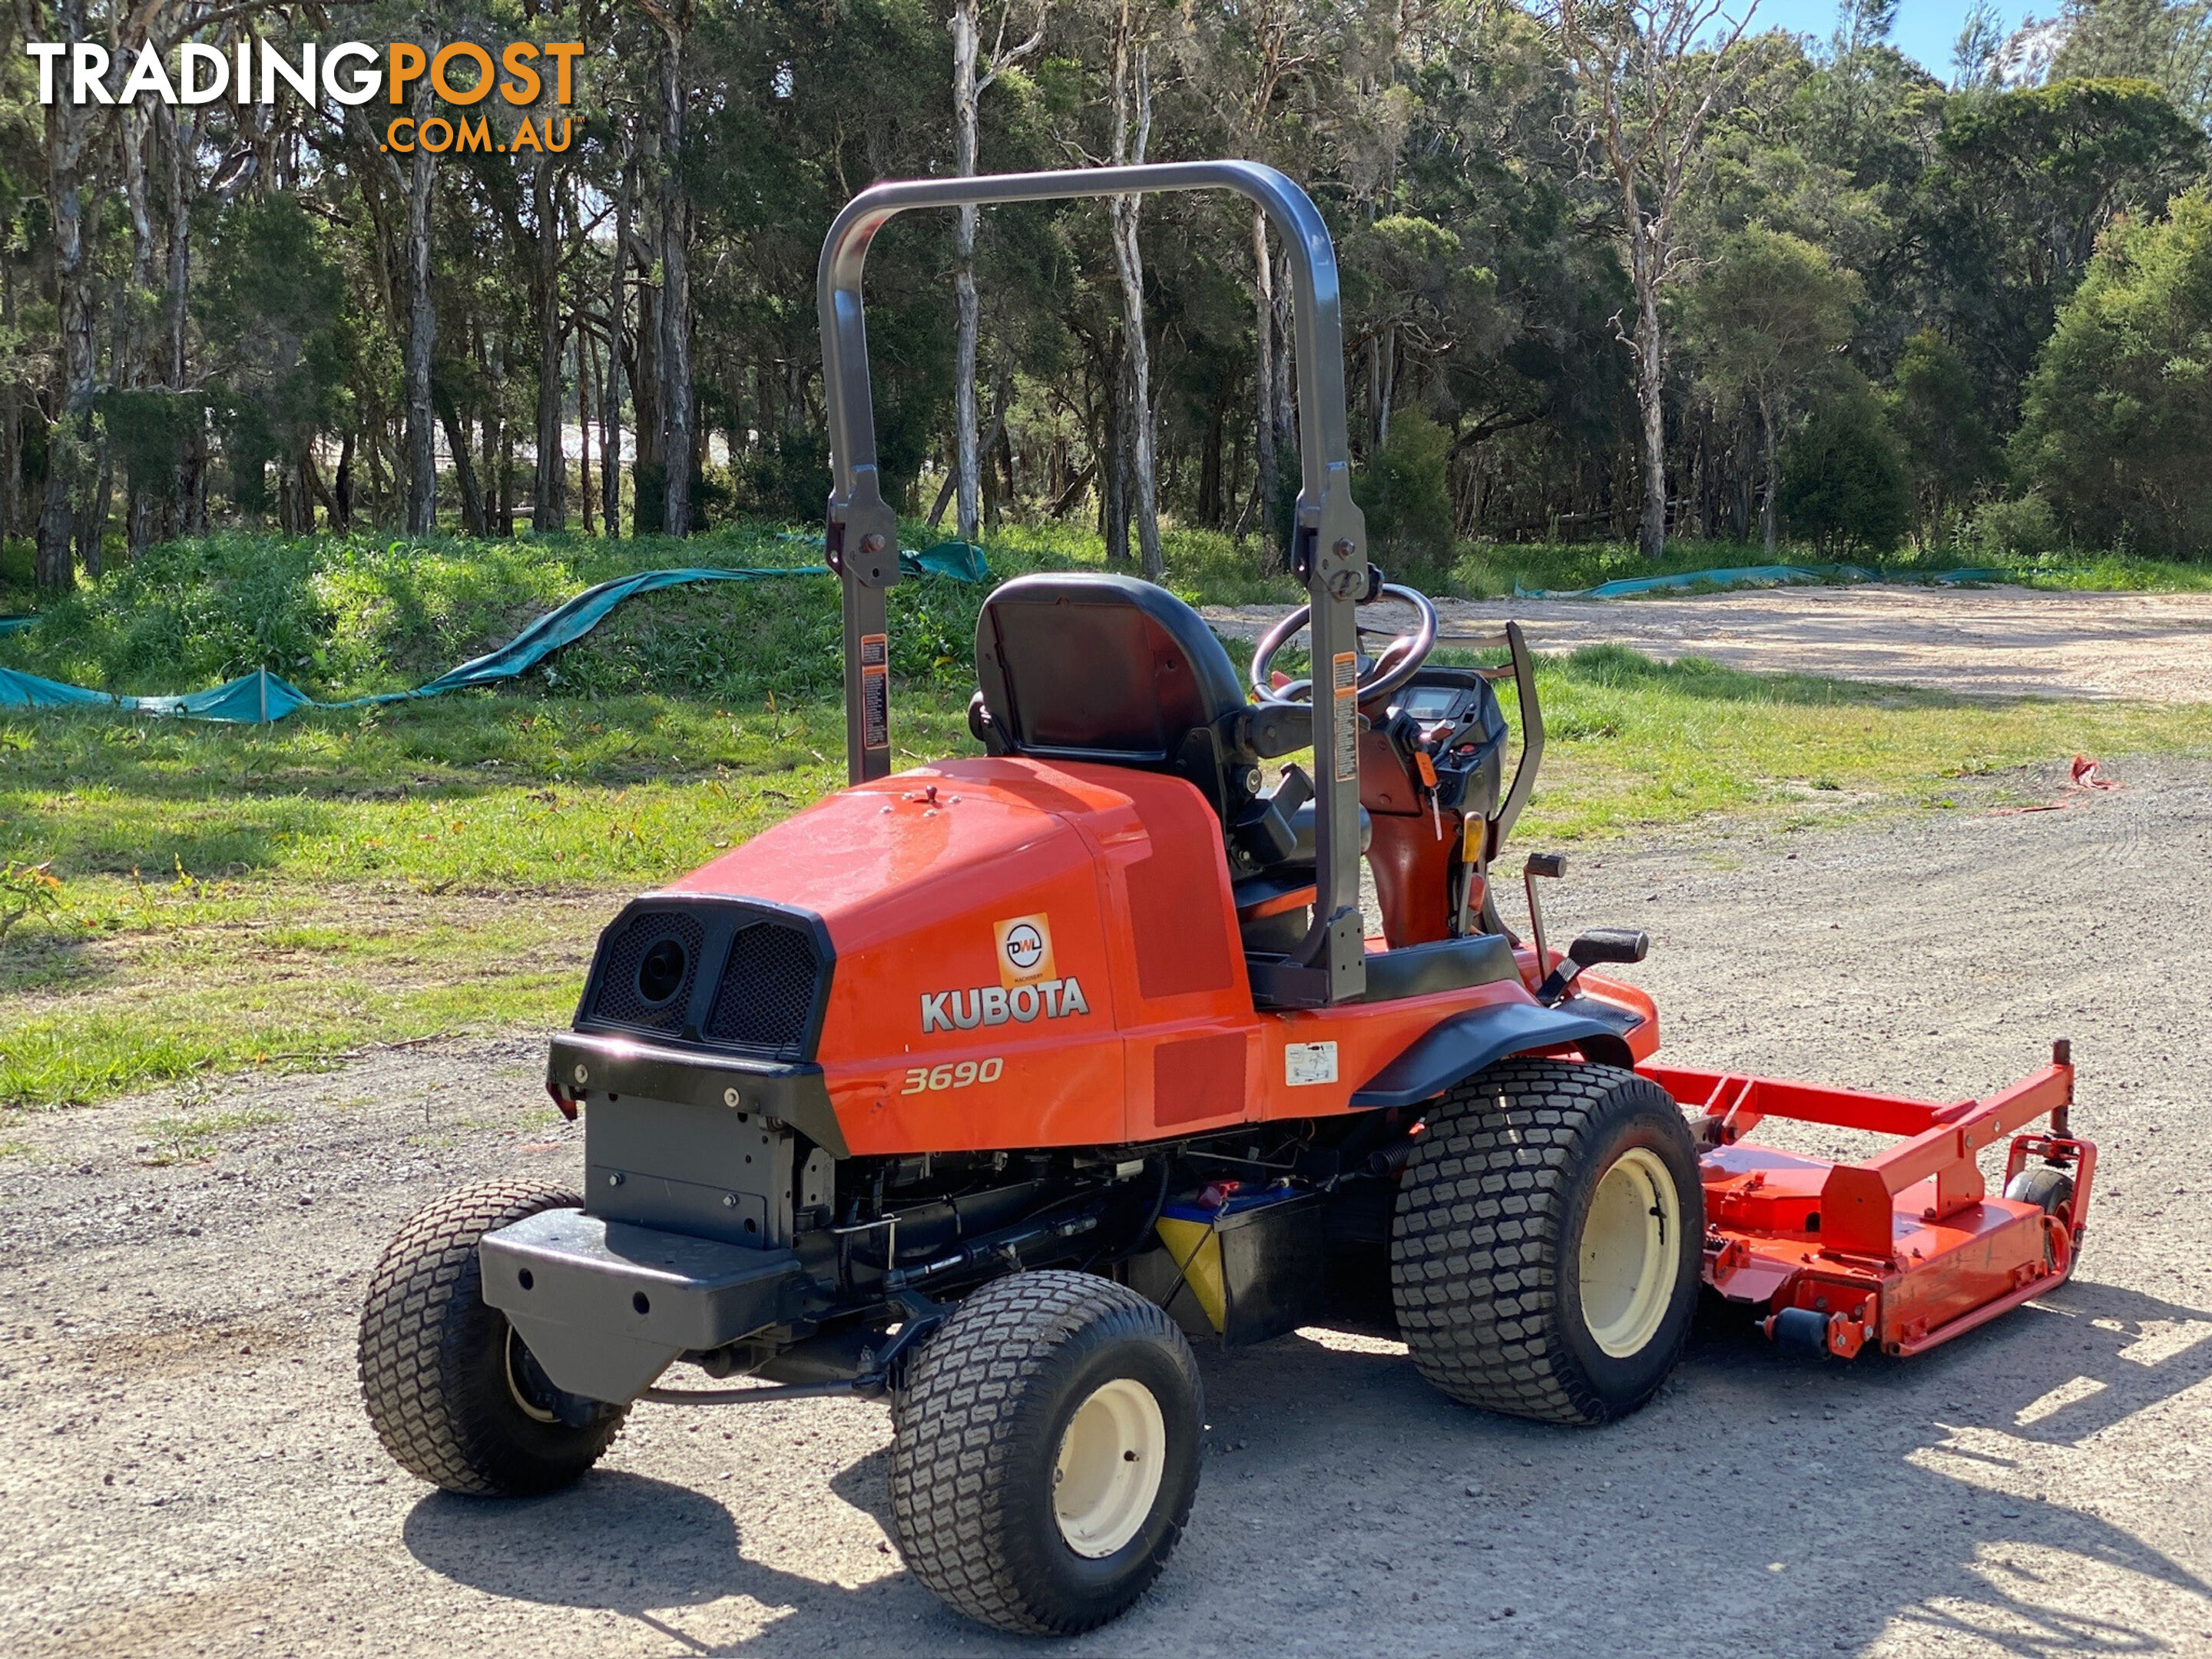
{"x": 621, "y": 1542}
{"x": 1346, "y": 1507}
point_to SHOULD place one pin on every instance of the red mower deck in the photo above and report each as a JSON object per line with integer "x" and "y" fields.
{"x": 1904, "y": 1250}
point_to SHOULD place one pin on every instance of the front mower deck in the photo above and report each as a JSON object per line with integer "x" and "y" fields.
{"x": 1905, "y": 1249}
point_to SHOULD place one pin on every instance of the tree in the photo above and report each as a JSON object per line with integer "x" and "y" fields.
{"x": 1405, "y": 492}
{"x": 2022, "y": 185}
{"x": 969, "y": 87}
{"x": 1935, "y": 408}
{"x": 69, "y": 436}
{"x": 678, "y": 432}
{"x": 1768, "y": 315}
{"x": 2118, "y": 419}
{"x": 1844, "y": 487}
{"x": 1133, "y": 132}
{"x": 2168, "y": 45}
{"x": 1651, "y": 82}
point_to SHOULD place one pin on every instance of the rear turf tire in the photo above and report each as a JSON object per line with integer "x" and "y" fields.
{"x": 1545, "y": 1257}
{"x": 1045, "y": 1453}
{"x": 452, "y": 1392}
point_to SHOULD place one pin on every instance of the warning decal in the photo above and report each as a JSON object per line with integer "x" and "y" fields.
{"x": 1344, "y": 714}
{"x": 875, "y": 691}
{"x": 1308, "y": 1063}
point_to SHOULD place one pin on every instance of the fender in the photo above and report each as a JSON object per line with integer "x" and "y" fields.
{"x": 1464, "y": 1044}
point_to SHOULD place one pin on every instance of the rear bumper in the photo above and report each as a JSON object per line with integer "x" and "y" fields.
{"x": 606, "y": 1306}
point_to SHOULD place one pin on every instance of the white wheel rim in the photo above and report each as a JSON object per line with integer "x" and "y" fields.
{"x": 1112, "y": 1459}
{"x": 1630, "y": 1253}
{"x": 536, "y": 1413}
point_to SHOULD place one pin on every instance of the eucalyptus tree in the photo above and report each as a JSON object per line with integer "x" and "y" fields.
{"x": 1653, "y": 74}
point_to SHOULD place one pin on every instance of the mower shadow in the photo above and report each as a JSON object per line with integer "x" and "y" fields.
{"x": 625, "y": 1543}
{"x": 1759, "y": 1507}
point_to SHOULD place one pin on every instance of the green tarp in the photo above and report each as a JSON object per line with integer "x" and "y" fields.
{"x": 1753, "y": 576}
{"x": 261, "y": 696}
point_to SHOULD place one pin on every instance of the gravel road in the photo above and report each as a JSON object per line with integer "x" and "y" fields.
{"x": 185, "y": 1469}
{"x": 1993, "y": 641}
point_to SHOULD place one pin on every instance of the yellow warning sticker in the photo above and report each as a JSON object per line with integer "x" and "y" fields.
{"x": 1344, "y": 714}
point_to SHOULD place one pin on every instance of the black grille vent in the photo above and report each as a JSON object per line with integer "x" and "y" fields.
{"x": 766, "y": 994}
{"x": 623, "y": 1000}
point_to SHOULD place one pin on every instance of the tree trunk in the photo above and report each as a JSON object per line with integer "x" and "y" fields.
{"x": 584, "y": 423}
{"x": 1263, "y": 334}
{"x": 189, "y": 504}
{"x": 1650, "y": 400}
{"x": 11, "y": 420}
{"x": 342, "y": 491}
{"x": 965, "y": 463}
{"x": 69, "y": 435}
{"x": 422, "y": 514}
{"x": 1114, "y": 474}
{"x": 675, "y": 290}
{"x": 610, "y": 384}
{"x": 464, "y": 472}
{"x": 132, "y": 367}
{"x": 1769, "y": 509}
{"x": 549, "y": 489}
{"x": 1133, "y": 131}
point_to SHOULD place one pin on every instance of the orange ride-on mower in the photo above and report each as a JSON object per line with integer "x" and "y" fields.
{"x": 985, "y": 1088}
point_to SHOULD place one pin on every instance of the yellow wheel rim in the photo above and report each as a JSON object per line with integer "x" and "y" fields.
{"x": 1630, "y": 1253}
{"x": 1108, "y": 1475}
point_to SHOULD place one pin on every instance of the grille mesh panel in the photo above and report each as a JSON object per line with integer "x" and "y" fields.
{"x": 620, "y": 999}
{"x": 767, "y": 993}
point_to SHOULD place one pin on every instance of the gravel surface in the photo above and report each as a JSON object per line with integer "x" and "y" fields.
{"x": 1993, "y": 641}
{"x": 185, "y": 1468}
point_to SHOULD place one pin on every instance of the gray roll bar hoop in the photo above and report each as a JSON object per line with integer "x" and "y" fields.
{"x": 1329, "y": 553}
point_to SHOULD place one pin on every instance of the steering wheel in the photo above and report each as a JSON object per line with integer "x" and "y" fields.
{"x": 1379, "y": 675}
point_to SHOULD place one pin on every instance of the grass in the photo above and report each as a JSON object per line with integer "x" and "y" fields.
{"x": 181, "y": 900}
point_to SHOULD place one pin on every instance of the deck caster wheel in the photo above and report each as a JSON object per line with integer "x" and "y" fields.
{"x": 1544, "y": 1259}
{"x": 1045, "y": 1453}
{"x": 2051, "y": 1190}
{"x": 451, "y": 1390}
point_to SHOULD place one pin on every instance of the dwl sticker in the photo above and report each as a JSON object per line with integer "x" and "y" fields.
{"x": 1024, "y": 949}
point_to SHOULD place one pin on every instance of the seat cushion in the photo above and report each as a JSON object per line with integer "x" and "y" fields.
{"x": 1446, "y": 964}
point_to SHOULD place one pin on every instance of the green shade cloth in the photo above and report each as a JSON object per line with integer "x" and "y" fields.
{"x": 261, "y": 696}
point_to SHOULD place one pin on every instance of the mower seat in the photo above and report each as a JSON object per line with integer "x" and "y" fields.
{"x": 1103, "y": 668}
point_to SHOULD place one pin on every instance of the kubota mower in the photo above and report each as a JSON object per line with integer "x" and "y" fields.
{"x": 987, "y": 1087}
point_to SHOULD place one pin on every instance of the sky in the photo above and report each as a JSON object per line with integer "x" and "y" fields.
{"x": 1926, "y": 29}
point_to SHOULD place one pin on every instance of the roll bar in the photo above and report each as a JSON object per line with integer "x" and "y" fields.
{"x": 1329, "y": 546}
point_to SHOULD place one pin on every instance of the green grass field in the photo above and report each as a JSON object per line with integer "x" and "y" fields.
{"x": 181, "y": 899}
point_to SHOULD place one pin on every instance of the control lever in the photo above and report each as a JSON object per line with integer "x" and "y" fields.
{"x": 1618, "y": 944}
{"x": 1551, "y": 866}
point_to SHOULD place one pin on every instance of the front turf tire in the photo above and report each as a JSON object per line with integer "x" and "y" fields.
{"x": 1544, "y": 1259}
{"x": 451, "y": 1390}
{"x": 1045, "y": 1453}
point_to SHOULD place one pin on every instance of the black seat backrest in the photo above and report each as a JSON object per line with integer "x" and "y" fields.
{"x": 1101, "y": 668}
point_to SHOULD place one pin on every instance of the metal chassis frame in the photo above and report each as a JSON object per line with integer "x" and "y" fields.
{"x": 1330, "y": 552}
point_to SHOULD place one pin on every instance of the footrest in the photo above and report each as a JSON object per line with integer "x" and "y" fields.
{"x": 606, "y": 1305}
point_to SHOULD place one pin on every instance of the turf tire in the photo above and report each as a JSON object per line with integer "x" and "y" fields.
{"x": 1484, "y": 1264}
{"x": 434, "y": 1358}
{"x": 977, "y": 1439}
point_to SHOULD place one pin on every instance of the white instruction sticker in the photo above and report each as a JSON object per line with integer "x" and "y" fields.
{"x": 1307, "y": 1063}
